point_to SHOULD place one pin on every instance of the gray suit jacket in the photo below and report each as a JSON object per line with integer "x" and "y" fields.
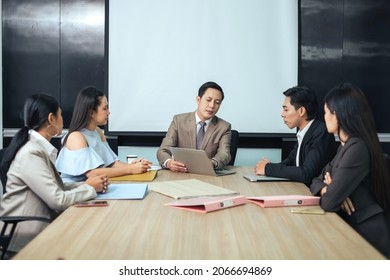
{"x": 350, "y": 173}
{"x": 182, "y": 133}
{"x": 34, "y": 188}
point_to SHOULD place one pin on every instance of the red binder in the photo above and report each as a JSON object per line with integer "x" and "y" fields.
{"x": 284, "y": 200}
{"x": 208, "y": 203}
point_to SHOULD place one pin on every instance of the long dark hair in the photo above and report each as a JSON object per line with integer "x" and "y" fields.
{"x": 88, "y": 100}
{"x": 355, "y": 117}
{"x": 36, "y": 111}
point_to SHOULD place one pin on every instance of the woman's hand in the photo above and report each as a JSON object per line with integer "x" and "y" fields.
{"x": 139, "y": 166}
{"x": 327, "y": 179}
{"x": 347, "y": 205}
{"x": 141, "y": 160}
{"x": 100, "y": 183}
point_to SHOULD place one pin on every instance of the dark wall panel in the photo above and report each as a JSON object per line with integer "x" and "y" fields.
{"x": 30, "y": 54}
{"x": 82, "y": 50}
{"x": 321, "y": 45}
{"x": 366, "y": 53}
{"x": 50, "y": 46}
{"x": 348, "y": 41}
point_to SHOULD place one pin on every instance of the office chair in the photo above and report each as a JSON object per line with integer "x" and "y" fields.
{"x": 387, "y": 160}
{"x": 233, "y": 146}
{"x": 12, "y": 221}
{"x": 3, "y": 172}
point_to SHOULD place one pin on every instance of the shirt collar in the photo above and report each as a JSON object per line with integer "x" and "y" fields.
{"x": 197, "y": 119}
{"x": 301, "y": 133}
{"x": 49, "y": 148}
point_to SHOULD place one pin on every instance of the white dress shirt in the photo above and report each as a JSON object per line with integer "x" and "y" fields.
{"x": 300, "y": 135}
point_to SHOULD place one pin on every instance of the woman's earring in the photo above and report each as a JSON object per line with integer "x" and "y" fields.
{"x": 52, "y": 125}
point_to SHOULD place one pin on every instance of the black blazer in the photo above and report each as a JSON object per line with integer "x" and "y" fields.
{"x": 350, "y": 173}
{"x": 317, "y": 149}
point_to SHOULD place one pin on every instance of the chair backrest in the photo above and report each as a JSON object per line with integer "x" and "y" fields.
{"x": 233, "y": 146}
{"x": 3, "y": 172}
{"x": 387, "y": 160}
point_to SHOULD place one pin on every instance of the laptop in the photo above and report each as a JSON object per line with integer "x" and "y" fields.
{"x": 197, "y": 162}
{"x": 262, "y": 178}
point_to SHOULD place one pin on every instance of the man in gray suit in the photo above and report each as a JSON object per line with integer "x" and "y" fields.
{"x": 201, "y": 129}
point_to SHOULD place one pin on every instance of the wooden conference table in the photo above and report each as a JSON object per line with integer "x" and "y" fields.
{"x": 146, "y": 229}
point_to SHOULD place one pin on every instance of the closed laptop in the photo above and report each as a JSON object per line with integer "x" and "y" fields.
{"x": 262, "y": 178}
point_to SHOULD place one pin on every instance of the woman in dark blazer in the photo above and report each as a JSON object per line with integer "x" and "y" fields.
{"x": 356, "y": 183}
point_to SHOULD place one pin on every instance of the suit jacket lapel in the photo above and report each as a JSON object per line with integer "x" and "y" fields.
{"x": 210, "y": 131}
{"x": 191, "y": 124}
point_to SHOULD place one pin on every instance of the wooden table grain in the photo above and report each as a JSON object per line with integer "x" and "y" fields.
{"x": 148, "y": 230}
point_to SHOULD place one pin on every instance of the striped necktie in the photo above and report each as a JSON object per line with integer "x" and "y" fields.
{"x": 200, "y": 136}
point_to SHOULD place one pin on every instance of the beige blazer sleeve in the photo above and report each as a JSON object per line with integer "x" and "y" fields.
{"x": 44, "y": 181}
{"x": 34, "y": 188}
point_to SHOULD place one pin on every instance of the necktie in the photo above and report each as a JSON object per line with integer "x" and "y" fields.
{"x": 200, "y": 136}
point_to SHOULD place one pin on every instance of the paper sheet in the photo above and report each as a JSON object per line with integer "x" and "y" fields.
{"x": 188, "y": 188}
{"x": 124, "y": 191}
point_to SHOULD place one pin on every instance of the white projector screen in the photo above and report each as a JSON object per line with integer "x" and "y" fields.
{"x": 161, "y": 51}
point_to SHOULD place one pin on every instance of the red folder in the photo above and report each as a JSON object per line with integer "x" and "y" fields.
{"x": 208, "y": 204}
{"x": 284, "y": 200}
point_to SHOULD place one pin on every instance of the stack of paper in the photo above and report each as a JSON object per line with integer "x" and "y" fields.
{"x": 188, "y": 189}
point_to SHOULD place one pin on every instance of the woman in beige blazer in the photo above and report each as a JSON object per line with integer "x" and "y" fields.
{"x": 34, "y": 187}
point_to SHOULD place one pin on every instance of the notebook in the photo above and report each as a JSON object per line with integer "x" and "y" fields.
{"x": 143, "y": 177}
{"x": 197, "y": 162}
{"x": 208, "y": 204}
{"x": 262, "y": 178}
{"x": 124, "y": 191}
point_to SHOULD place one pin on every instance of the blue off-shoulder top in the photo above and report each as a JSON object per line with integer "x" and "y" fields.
{"x": 74, "y": 164}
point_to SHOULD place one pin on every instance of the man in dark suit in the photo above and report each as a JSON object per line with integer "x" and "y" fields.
{"x": 186, "y": 129}
{"x": 315, "y": 146}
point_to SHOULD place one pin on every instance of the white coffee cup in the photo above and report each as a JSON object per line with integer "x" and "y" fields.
{"x": 130, "y": 158}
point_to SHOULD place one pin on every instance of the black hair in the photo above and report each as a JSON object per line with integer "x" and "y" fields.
{"x": 88, "y": 100}
{"x": 207, "y": 85}
{"x": 36, "y": 111}
{"x": 355, "y": 117}
{"x": 301, "y": 96}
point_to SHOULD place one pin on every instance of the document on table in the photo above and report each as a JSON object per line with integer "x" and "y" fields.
{"x": 155, "y": 167}
{"x": 124, "y": 191}
{"x": 188, "y": 189}
{"x": 143, "y": 177}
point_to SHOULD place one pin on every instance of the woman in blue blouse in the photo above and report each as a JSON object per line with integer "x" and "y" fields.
{"x": 85, "y": 149}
